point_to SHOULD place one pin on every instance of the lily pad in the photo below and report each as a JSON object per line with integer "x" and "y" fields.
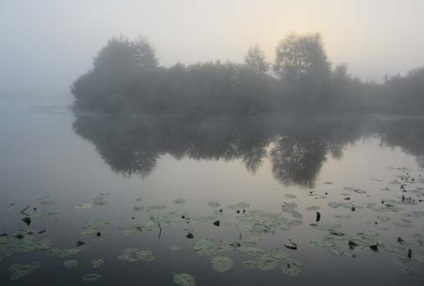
{"x": 250, "y": 250}
{"x": 99, "y": 201}
{"x": 19, "y": 270}
{"x": 266, "y": 261}
{"x": 130, "y": 230}
{"x": 84, "y": 206}
{"x": 210, "y": 247}
{"x": 134, "y": 254}
{"x": 62, "y": 252}
{"x": 91, "y": 277}
{"x": 92, "y": 228}
{"x": 184, "y": 279}
{"x": 334, "y": 204}
{"x": 71, "y": 263}
{"x": 291, "y": 267}
{"x": 221, "y": 263}
{"x": 95, "y": 263}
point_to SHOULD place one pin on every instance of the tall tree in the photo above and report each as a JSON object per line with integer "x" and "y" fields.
{"x": 301, "y": 59}
{"x": 255, "y": 59}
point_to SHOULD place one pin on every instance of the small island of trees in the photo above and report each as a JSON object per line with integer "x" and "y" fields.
{"x": 126, "y": 78}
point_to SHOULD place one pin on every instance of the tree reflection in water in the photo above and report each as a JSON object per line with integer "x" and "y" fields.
{"x": 296, "y": 147}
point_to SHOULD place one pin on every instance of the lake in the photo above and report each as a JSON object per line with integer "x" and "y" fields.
{"x": 171, "y": 200}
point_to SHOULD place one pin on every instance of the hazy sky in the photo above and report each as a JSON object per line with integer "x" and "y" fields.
{"x": 45, "y": 45}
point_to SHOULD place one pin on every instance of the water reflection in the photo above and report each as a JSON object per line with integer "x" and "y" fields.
{"x": 297, "y": 148}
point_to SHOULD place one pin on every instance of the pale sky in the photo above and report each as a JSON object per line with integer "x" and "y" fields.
{"x": 46, "y": 45}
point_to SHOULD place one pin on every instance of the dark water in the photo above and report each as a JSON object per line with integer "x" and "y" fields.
{"x": 304, "y": 201}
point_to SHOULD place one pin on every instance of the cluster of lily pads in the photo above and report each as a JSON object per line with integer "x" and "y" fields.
{"x": 249, "y": 231}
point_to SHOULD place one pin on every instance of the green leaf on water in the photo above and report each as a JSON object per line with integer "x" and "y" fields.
{"x": 210, "y": 247}
{"x": 62, "y": 252}
{"x": 19, "y": 270}
{"x": 71, "y": 263}
{"x": 291, "y": 267}
{"x": 266, "y": 261}
{"x": 95, "y": 263}
{"x": 134, "y": 255}
{"x": 250, "y": 250}
{"x": 93, "y": 227}
{"x": 334, "y": 205}
{"x": 84, "y": 206}
{"x": 91, "y": 277}
{"x": 184, "y": 279}
{"x": 221, "y": 263}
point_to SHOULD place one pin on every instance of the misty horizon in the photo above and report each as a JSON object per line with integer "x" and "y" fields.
{"x": 373, "y": 39}
{"x": 212, "y": 142}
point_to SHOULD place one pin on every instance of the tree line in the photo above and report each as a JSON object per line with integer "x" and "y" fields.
{"x": 126, "y": 77}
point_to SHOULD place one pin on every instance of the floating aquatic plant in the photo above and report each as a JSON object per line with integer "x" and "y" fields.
{"x": 93, "y": 228}
{"x": 95, "y": 263}
{"x": 334, "y": 204}
{"x": 134, "y": 254}
{"x": 84, "y": 206}
{"x": 291, "y": 267}
{"x": 19, "y": 270}
{"x": 184, "y": 279}
{"x": 99, "y": 201}
{"x": 325, "y": 226}
{"x": 130, "y": 230}
{"x": 221, "y": 263}
{"x": 208, "y": 247}
{"x": 267, "y": 261}
{"x": 290, "y": 208}
{"x": 71, "y": 263}
{"x": 62, "y": 252}
{"x": 250, "y": 250}
{"x": 91, "y": 277}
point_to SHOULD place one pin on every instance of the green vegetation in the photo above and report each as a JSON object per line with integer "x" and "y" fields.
{"x": 126, "y": 77}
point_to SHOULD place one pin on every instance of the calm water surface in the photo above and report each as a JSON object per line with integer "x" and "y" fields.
{"x": 299, "y": 201}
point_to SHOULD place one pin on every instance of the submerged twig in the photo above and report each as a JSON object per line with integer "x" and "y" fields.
{"x": 160, "y": 231}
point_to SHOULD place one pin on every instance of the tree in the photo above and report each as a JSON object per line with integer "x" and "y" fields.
{"x": 255, "y": 59}
{"x": 301, "y": 59}
{"x": 123, "y": 55}
{"x": 116, "y": 68}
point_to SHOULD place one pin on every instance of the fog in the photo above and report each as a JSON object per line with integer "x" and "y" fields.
{"x": 46, "y": 45}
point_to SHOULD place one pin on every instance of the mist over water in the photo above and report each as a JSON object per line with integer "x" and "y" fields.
{"x": 211, "y": 143}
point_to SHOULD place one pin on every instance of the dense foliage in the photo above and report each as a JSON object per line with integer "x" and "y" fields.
{"x": 126, "y": 77}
